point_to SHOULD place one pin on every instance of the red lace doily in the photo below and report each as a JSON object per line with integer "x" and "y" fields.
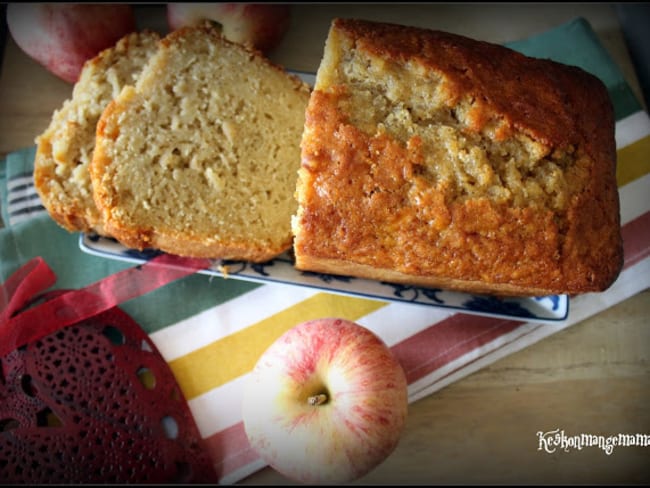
{"x": 95, "y": 402}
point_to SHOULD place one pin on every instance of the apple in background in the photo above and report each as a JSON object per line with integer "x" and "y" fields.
{"x": 63, "y": 36}
{"x": 261, "y": 26}
{"x": 326, "y": 402}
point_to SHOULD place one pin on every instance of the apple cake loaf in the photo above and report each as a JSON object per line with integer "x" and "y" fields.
{"x": 432, "y": 159}
{"x": 199, "y": 158}
{"x": 64, "y": 150}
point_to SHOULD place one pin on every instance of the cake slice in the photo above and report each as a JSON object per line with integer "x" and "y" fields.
{"x": 431, "y": 159}
{"x": 64, "y": 150}
{"x": 199, "y": 158}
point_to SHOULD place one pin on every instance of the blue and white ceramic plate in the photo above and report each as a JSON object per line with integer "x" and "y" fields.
{"x": 551, "y": 308}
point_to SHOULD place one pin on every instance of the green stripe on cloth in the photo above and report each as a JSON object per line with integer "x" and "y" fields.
{"x": 15, "y": 164}
{"x": 575, "y": 43}
{"x": 184, "y": 298}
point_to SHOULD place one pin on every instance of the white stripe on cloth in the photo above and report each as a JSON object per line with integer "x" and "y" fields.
{"x": 632, "y": 128}
{"x": 634, "y": 198}
{"x": 228, "y": 397}
{"x": 241, "y": 473}
{"x": 25, "y": 180}
{"x": 23, "y": 202}
{"x": 226, "y": 318}
{"x": 398, "y": 321}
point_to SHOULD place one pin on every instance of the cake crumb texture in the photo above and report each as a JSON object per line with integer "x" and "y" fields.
{"x": 65, "y": 148}
{"x": 199, "y": 157}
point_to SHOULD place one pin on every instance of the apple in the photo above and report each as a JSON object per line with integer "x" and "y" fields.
{"x": 62, "y": 36}
{"x": 326, "y": 403}
{"x": 261, "y": 26}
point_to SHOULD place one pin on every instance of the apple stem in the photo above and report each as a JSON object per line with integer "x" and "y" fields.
{"x": 317, "y": 399}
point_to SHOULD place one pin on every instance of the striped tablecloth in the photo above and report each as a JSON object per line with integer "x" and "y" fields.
{"x": 212, "y": 330}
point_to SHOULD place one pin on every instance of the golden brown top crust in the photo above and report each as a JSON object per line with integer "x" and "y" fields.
{"x": 355, "y": 210}
{"x": 558, "y": 105}
{"x": 401, "y": 186}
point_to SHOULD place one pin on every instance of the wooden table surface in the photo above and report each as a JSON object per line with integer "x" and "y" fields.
{"x": 593, "y": 378}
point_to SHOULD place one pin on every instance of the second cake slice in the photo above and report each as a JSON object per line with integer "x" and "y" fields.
{"x": 199, "y": 158}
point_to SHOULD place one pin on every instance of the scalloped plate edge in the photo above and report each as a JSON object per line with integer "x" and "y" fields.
{"x": 548, "y": 309}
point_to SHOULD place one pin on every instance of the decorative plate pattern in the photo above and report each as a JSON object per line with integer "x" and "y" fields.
{"x": 550, "y": 308}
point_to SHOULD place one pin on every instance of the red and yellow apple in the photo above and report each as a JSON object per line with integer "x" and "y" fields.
{"x": 260, "y": 25}
{"x": 63, "y": 36}
{"x": 326, "y": 402}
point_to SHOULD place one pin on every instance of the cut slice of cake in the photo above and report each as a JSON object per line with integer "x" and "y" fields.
{"x": 431, "y": 159}
{"x": 200, "y": 157}
{"x": 65, "y": 148}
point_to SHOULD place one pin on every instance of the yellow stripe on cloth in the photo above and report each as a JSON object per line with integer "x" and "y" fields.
{"x": 215, "y": 364}
{"x": 633, "y": 161}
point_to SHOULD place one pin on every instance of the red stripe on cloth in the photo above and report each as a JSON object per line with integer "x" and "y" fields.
{"x": 230, "y": 449}
{"x": 478, "y": 357}
{"x": 636, "y": 239}
{"x": 447, "y": 340}
{"x": 32, "y": 278}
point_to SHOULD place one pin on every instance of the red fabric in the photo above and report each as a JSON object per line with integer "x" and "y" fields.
{"x": 76, "y": 305}
{"x": 85, "y": 396}
{"x": 33, "y": 278}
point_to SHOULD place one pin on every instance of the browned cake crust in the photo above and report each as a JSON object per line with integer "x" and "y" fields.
{"x": 432, "y": 159}
{"x": 65, "y": 148}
